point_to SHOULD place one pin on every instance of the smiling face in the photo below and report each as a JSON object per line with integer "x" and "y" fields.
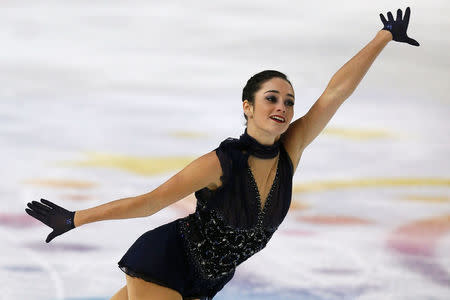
{"x": 275, "y": 97}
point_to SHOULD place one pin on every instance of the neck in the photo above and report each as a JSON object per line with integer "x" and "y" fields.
{"x": 262, "y": 137}
{"x": 254, "y": 147}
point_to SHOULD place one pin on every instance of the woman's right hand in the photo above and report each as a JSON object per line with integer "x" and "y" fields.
{"x": 59, "y": 219}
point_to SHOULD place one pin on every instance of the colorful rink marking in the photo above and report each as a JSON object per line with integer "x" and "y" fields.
{"x": 187, "y": 134}
{"x": 319, "y": 186}
{"x": 415, "y": 243}
{"x": 297, "y": 232}
{"x": 77, "y": 197}
{"x": 60, "y": 246}
{"x": 22, "y": 268}
{"x": 333, "y": 220}
{"x": 132, "y": 164}
{"x": 22, "y": 220}
{"x": 426, "y": 198}
{"x": 419, "y": 237}
{"x": 359, "y": 134}
{"x": 61, "y": 183}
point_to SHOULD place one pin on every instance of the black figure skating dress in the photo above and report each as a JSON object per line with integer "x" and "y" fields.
{"x": 198, "y": 254}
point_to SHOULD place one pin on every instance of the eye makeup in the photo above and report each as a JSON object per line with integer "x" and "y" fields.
{"x": 274, "y": 100}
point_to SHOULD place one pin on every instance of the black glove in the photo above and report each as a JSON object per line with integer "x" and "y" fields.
{"x": 398, "y": 27}
{"x": 52, "y": 215}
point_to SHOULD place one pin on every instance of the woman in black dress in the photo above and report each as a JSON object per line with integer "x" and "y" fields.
{"x": 243, "y": 187}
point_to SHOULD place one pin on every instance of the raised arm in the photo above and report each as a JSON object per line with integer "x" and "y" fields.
{"x": 340, "y": 87}
{"x": 198, "y": 174}
{"x": 304, "y": 130}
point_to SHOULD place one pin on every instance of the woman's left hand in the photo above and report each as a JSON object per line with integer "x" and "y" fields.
{"x": 398, "y": 27}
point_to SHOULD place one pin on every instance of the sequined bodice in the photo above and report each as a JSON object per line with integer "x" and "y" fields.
{"x": 230, "y": 224}
{"x": 217, "y": 248}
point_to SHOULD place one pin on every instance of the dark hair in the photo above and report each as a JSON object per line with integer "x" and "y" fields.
{"x": 255, "y": 82}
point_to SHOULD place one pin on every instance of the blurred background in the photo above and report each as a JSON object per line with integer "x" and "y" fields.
{"x": 101, "y": 100}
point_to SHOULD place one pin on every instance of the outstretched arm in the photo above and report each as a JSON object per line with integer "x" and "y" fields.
{"x": 345, "y": 81}
{"x": 305, "y": 129}
{"x": 348, "y": 77}
{"x": 198, "y": 174}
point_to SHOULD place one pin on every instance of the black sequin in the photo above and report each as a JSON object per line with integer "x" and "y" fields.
{"x": 216, "y": 248}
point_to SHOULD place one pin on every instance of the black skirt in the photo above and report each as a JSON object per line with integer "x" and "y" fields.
{"x": 160, "y": 256}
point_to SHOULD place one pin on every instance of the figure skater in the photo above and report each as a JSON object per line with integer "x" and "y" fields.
{"x": 243, "y": 187}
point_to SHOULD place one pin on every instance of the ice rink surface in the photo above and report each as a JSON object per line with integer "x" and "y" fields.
{"x": 102, "y": 100}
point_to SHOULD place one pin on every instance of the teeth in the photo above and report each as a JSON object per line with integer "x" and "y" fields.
{"x": 279, "y": 119}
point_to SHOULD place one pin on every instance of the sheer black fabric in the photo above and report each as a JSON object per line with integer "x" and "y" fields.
{"x": 236, "y": 200}
{"x": 198, "y": 254}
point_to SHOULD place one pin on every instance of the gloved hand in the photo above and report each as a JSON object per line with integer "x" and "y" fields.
{"x": 398, "y": 27}
{"x": 52, "y": 215}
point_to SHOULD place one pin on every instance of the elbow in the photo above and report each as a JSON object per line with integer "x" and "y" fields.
{"x": 338, "y": 94}
{"x": 341, "y": 89}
